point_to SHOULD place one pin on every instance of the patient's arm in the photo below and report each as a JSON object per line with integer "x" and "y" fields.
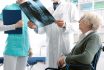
{"x": 87, "y": 56}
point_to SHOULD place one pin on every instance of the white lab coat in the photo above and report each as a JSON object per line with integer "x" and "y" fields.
{"x": 60, "y": 39}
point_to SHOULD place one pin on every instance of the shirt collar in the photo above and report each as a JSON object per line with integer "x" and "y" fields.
{"x": 82, "y": 36}
{"x": 88, "y": 32}
{"x": 57, "y": 2}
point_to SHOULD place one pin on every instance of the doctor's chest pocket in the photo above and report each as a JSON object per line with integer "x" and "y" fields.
{"x": 58, "y": 16}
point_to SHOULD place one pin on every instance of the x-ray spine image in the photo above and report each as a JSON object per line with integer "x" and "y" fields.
{"x": 37, "y": 13}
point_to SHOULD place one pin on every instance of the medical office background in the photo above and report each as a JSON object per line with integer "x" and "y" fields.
{"x": 38, "y": 42}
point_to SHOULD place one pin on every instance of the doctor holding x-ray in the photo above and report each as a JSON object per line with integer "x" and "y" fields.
{"x": 60, "y": 34}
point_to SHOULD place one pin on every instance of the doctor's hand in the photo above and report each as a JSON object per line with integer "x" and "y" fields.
{"x": 31, "y": 25}
{"x": 19, "y": 24}
{"x": 61, "y": 61}
{"x": 60, "y": 23}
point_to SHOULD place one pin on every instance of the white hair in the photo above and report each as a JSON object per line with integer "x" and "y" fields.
{"x": 93, "y": 19}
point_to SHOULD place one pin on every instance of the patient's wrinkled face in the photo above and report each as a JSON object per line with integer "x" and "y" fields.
{"x": 84, "y": 25}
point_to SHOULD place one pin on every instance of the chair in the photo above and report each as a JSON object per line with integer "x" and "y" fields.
{"x": 33, "y": 60}
{"x": 92, "y": 65}
{"x": 96, "y": 58}
{"x": 103, "y": 48}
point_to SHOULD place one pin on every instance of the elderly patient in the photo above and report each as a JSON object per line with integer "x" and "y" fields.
{"x": 88, "y": 44}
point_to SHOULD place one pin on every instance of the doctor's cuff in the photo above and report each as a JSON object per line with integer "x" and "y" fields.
{"x": 36, "y": 30}
{"x": 64, "y": 25}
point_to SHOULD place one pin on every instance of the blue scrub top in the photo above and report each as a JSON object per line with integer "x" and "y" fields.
{"x": 17, "y": 44}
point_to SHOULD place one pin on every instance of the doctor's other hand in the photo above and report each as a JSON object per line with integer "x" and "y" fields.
{"x": 60, "y": 23}
{"x": 31, "y": 25}
{"x": 19, "y": 24}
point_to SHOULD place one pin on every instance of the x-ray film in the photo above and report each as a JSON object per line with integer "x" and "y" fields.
{"x": 37, "y": 13}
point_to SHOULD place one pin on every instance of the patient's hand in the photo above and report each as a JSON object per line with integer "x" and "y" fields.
{"x": 61, "y": 61}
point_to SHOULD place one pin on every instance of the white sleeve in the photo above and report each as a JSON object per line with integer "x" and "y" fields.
{"x": 6, "y": 27}
{"x": 72, "y": 18}
{"x": 40, "y": 30}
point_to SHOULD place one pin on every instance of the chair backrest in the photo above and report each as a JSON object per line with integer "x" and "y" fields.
{"x": 95, "y": 60}
{"x": 34, "y": 60}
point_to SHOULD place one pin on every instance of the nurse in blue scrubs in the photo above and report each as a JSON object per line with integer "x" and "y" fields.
{"x": 17, "y": 45}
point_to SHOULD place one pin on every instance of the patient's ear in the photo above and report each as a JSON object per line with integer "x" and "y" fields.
{"x": 90, "y": 26}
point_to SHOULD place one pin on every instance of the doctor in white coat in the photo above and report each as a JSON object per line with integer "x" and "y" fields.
{"x": 59, "y": 34}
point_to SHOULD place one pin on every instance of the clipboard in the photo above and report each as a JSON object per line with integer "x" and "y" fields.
{"x": 11, "y": 17}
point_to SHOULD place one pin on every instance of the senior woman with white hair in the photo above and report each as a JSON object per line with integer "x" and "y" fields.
{"x": 88, "y": 45}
